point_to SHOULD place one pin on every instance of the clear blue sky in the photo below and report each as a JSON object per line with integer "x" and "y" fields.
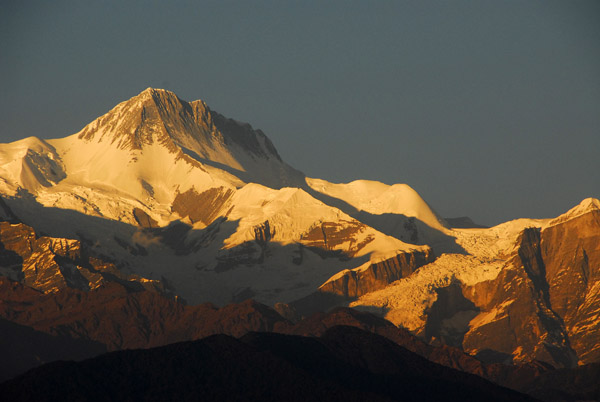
{"x": 487, "y": 108}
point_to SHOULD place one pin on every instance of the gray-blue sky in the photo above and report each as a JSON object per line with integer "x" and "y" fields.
{"x": 487, "y": 108}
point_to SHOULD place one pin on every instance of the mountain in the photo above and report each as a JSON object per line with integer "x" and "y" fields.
{"x": 537, "y": 281}
{"x": 345, "y": 363}
{"x": 159, "y": 182}
{"x": 126, "y": 231}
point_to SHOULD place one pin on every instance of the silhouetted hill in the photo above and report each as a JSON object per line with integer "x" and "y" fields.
{"x": 23, "y": 348}
{"x": 345, "y": 364}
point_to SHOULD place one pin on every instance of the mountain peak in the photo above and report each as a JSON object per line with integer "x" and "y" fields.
{"x": 156, "y": 94}
{"x": 192, "y": 131}
{"x": 149, "y": 91}
{"x": 587, "y": 205}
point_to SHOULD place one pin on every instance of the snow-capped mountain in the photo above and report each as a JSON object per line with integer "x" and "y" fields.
{"x": 168, "y": 195}
{"x": 143, "y": 153}
{"x": 173, "y": 191}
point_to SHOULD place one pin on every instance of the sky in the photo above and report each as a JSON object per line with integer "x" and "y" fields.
{"x": 489, "y": 109}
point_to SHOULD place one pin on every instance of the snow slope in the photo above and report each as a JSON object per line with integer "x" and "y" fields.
{"x": 30, "y": 163}
{"x": 378, "y": 198}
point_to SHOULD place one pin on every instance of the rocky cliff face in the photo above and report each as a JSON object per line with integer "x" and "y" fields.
{"x": 347, "y": 285}
{"x": 571, "y": 255}
{"x": 517, "y": 303}
{"x": 547, "y": 297}
{"x": 351, "y": 284}
{"x": 51, "y": 264}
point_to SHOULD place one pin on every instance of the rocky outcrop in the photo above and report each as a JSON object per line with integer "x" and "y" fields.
{"x": 349, "y": 284}
{"x": 143, "y": 219}
{"x": 329, "y": 239}
{"x": 50, "y": 264}
{"x": 37, "y": 258}
{"x": 263, "y": 233}
{"x": 201, "y": 207}
{"x": 353, "y": 283}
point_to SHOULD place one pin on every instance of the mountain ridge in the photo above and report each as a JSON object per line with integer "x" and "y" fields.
{"x": 345, "y": 363}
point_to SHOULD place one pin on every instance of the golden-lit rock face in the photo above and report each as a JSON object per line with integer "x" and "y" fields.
{"x": 516, "y": 318}
{"x": 545, "y": 304}
{"x": 355, "y": 283}
{"x": 50, "y": 264}
{"x": 571, "y": 254}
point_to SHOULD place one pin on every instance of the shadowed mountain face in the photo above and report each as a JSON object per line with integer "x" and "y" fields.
{"x": 121, "y": 318}
{"x": 22, "y": 348}
{"x": 344, "y": 364}
{"x": 197, "y": 251}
